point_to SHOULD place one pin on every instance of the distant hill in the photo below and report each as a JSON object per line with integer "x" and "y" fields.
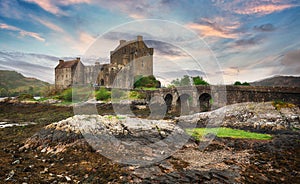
{"x": 13, "y": 83}
{"x": 286, "y": 81}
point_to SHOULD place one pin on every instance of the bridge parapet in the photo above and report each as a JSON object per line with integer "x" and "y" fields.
{"x": 211, "y": 97}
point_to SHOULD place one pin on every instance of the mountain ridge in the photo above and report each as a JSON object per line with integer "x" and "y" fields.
{"x": 13, "y": 83}
{"x": 278, "y": 80}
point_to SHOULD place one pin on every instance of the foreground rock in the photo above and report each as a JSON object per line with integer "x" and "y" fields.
{"x": 151, "y": 147}
{"x": 261, "y": 117}
{"x": 122, "y": 139}
{"x": 71, "y": 151}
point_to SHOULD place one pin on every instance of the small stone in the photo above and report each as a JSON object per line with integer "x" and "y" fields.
{"x": 68, "y": 178}
{"x": 44, "y": 171}
{"x": 10, "y": 175}
{"x": 131, "y": 168}
{"x": 16, "y": 162}
{"x": 43, "y": 150}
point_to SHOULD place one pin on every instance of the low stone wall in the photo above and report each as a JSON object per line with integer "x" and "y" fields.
{"x": 238, "y": 94}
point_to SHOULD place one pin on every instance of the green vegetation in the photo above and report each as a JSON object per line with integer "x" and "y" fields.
{"x": 103, "y": 94}
{"x": 198, "y": 133}
{"x": 238, "y": 83}
{"x": 137, "y": 95}
{"x": 118, "y": 94}
{"x": 186, "y": 81}
{"x": 142, "y": 82}
{"x": 199, "y": 81}
{"x": 278, "y": 104}
{"x": 25, "y": 97}
{"x": 14, "y": 84}
{"x": 67, "y": 95}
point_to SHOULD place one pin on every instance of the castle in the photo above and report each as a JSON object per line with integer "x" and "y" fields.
{"x": 128, "y": 60}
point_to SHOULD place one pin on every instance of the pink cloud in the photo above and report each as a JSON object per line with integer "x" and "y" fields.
{"x": 22, "y": 32}
{"x": 264, "y": 9}
{"x": 50, "y": 25}
{"x": 52, "y": 6}
{"x": 216, "y": 27}
{"x": 46, "y": 5}
{"x": 259, "y": 7}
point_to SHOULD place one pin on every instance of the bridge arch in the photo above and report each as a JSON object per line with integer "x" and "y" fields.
{"x": 183, "y": 104}
{"x": 168, "y": 100}
{"x": 204, "y": 102}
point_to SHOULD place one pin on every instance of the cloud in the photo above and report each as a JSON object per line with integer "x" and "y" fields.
{"x": 265, "y": 27}
{"x": 53, "y": 6}
{"x": 162, "y": 48}
{"x": 136, "y": 9}
{"x": 11, "y": 9}
{"x": 80, "y": 42}
{"x": 22, "y": 32}
{"x": 50, "y": 25}
{"x": 264, "y": 9}
{"x": 291, "y": 63}
{"x": 115, "y": 36}
{"x": 32, "y": 65}
{"x": 256, "y": 7}
{"x": 249, "y": 41}
{"x": 46, "y": 5}
{"x": 217, "y": 27}
{"x": 85, "y": 38}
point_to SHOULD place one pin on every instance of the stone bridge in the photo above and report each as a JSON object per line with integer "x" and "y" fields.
{"x": 203, "y": 98}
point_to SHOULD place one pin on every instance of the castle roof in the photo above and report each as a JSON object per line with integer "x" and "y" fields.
{"x": 124, "y": 43}
{"x": 67, "y": 64}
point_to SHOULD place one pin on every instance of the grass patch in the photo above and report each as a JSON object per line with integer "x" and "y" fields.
{"x": 198, "y": 133}
{"x": 147, "y": 88}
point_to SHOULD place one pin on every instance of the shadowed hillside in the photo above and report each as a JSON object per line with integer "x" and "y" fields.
{"x": 13, "y": 83}
{"x": 287, "y": 81}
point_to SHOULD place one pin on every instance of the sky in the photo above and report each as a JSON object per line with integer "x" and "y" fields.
{"x": 223, "y": 41}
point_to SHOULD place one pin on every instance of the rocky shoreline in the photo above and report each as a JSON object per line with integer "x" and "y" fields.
{"x": 60, "y": 152}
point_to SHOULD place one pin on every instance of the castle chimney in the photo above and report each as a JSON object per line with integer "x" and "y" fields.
{"x": 139, "y": 38}
{"x": 78, "y": 58}
{"x": 61, "y": 61}
{"x": 122, "y": 42}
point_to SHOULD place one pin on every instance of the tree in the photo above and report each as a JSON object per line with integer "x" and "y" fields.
{"x": 146, "y": 82}
{"x": 184, "y": 81}
{"x": 199, "y": 81}
{"x": 3, "y": 92}
{"x": 238, "y": 83}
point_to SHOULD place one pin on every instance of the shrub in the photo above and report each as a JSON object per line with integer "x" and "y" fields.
{"x": 102, "y": 94}
{"x": 199, "y": 81}
{"x": 26, "y": 96}
{"x": 238, "y": 83}
{"x": 137, "y": 95}
{"x": 146, "y": 82}
{"x": 278, "y": 104}
{"x": 67, "y": 95}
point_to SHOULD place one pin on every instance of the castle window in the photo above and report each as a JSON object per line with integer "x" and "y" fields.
{"x": 142, "y": 63}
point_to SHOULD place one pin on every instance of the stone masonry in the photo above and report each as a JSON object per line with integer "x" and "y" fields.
{"x": 130, "y": 59}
